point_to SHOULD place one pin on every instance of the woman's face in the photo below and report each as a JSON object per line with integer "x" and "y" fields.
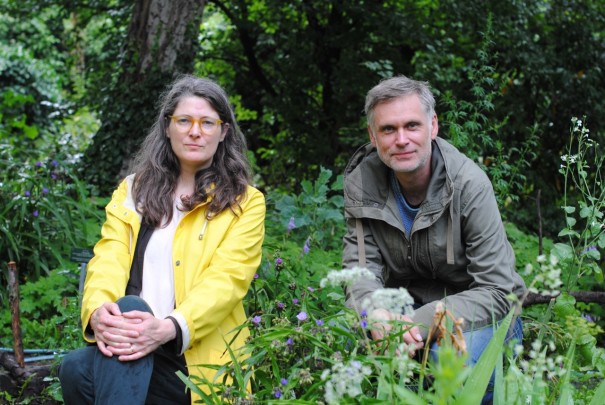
{"x": 195, "y": 131}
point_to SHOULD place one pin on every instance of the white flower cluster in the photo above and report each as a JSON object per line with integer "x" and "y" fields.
{"x": 336, "y": 278}
{"x": 528, "y": 377}
{"x": 570, "y": 158}
{"x": 405, "y": 365}
{"x": 579, "y": 127}
{"x": 344, "y": 380}
{"x": 538, "y": 364}
{"x": 548, "y": 276}
{"x": 395, "y": 300}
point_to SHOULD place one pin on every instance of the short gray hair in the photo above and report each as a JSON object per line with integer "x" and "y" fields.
{"x": 399, "y": 86}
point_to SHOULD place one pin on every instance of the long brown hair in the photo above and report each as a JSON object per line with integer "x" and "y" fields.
{"x": 157, "y": 168}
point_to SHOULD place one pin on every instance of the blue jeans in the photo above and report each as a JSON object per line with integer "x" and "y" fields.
{"x": 87, "y": 376}
{"x": 477, "y": 341}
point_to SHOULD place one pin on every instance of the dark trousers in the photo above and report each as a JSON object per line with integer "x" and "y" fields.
{"x": 89, "y": 377}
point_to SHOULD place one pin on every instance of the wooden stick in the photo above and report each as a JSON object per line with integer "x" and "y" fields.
{"x": 13, "y": 298}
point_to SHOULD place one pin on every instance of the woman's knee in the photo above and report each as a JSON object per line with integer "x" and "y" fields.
{"x": 133, "y": 303}
{"x": 75, "y": 366}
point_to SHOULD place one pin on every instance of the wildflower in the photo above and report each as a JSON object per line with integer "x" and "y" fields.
{"x": 307, "y": 246}
{"x": 393, "y": 300}
{"x": 36, "y": 213}
{"x": 319, "y": 322}
{"x": 280, "y": 306}
{"x": 38, "y": 164}
{"x": 27, "y": 193}
{"x": 277, "y": 394}
{"x": 337, "y": 278}
{"x": 344, "y": 380}
{"x": 295, "y": 301}
{"x": 311, "y": 289}
{"x": 45, "y": 190}
{"x": 54, "y": 163}
{"x": 284, "y": 381}
{"x": 289, "y": 342}
{"x": 588, "y": 317}
{"x": 364, "y": 323}
{"x": 256, "y": 276}
{"x": 279, "y": 261}
{"x": 302, "y": 316}
{"x": 305, "y": 377}
{"x": 291, "y": 224}
{"x": 256, "y": 320}
{"x": 364, "y": 313}
{"x": 53, "y": 176}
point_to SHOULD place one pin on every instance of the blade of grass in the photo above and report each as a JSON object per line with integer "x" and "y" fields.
{"x": 476, "y": 384}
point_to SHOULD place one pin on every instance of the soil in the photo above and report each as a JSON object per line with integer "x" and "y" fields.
{"x": 25, "y": 384}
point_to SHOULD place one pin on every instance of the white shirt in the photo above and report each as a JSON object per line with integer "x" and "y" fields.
{"x": 158, "y": 273}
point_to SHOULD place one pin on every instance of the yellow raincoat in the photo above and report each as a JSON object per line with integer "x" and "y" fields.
{"x": 214, "y": 264}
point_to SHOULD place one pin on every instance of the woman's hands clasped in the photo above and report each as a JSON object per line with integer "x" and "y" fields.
{"x": 129, "y": 335}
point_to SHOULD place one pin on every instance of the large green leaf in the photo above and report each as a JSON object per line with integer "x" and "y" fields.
{"x": 476, "y": 384}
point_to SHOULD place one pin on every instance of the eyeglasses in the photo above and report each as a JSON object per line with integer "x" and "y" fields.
{"x": 184, "y": 123}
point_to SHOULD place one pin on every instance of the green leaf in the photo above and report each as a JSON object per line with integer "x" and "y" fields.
{"x": 563, "y": 251}
{"x": 599, "y": 394}
{"x": 565, "y": 306}
{"x": 476, "y": 384}
{"x": 569, "y": 209}
{"x": 566, "y": 387}
{"x": 585, "y": 212}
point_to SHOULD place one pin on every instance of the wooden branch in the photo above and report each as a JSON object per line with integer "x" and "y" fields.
{"x": 13, "y": 298}
{"x": 581, "y": 296}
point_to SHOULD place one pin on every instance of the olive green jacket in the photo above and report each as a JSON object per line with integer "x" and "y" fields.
{"x": 457, "y": 251}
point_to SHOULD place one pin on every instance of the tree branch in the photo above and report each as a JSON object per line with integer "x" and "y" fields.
{"x": 581, "y": 296}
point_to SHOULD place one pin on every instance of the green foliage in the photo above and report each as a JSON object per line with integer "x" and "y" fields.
{"x": 45, "y": 211}
{"x": 315, "y": 216}
{"x": 469, "y": 127}
{"x": 583, "y": 206}
{"x": 49, "y": 313}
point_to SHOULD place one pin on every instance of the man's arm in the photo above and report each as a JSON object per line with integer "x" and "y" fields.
{"x": 491, "y": 264}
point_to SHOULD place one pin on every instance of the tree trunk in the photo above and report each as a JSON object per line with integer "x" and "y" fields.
{"x": 162, "y": 41}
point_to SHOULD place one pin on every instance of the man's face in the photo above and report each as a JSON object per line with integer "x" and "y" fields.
{"x": 402, "y": 133}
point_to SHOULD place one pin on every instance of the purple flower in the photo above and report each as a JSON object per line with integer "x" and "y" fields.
{"x": 54, "y": 163}
{"x": 289, "y": 342}
{"x": 291, "y": 224}
{"x": 284, "y": 381}
{"x": 53, "y": 176}
{"x": 45, "y": 190}
{"x": 364, "y": 313}
{"x": 256, "y": 276}
{"x": 38, "y": 164}
{"x": 302, "y": 316}
{"x": 364, "y": 323}
{"x": 277, "y": 394}
{"x": 36, "y": 213}
{"x": 307, "y": 246}
{"x": 319, "y": 322}
{"x": 280, "y": 305}
{"x": 588, "y": 317}
{"x": 295, "y": 301}
{"x": 279, "y": 261}
{"x": 311, "y": 289}
{"x": 256, "y": 320}
{"x": 27, "y": 193}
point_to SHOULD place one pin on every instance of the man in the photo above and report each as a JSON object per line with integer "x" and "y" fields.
{"x": 422, "y": 216}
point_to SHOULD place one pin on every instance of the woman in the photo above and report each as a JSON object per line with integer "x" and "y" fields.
{"x": 197, "y": 226}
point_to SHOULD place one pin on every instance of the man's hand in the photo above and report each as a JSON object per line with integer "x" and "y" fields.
{"x": 129, "y": 335}
{"x": 383, "y": 324}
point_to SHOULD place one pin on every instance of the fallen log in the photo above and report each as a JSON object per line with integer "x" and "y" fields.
{"x": 580, "y": 296}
